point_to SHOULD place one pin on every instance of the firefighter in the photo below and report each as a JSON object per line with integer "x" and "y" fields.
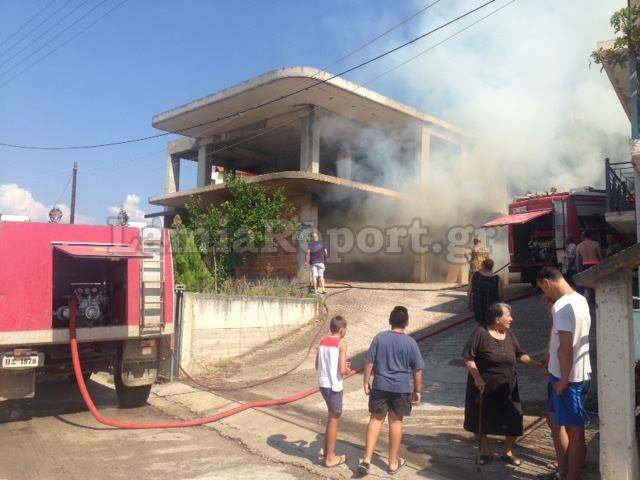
{"x": 475, "y": 256}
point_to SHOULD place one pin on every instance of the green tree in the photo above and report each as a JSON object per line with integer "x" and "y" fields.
{"x": 625, "y": 21}
{"x": 188, "y": 266}
{"x": 228, "y": 234}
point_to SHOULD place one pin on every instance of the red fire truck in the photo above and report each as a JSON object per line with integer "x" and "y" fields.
{"x": 539, "y": 224}
{"x": 121, "y": 279}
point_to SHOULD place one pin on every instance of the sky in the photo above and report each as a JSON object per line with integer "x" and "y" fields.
{"x": 519, "y": 80}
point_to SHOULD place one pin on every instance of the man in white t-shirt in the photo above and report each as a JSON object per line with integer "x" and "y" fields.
{"x": 570, "y": 370}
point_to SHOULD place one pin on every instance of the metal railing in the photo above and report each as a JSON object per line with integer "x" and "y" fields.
{"x": 620, "y": 186}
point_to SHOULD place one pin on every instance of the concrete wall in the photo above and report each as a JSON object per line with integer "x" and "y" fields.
{"x": 215, "y": 327}
{"x": 619, "y": 459}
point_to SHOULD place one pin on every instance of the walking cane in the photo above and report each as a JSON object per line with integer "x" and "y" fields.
{"x": 479, "y": 459}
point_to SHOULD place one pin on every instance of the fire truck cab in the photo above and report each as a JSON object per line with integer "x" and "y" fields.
{"x": 539, "y": 224}
{"x": 120, "y": 278}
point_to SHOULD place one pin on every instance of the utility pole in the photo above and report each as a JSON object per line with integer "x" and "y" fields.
{"x": 73, "y": 193}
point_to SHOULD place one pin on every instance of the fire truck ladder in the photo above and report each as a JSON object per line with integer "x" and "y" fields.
{"x": 152, "y": 282}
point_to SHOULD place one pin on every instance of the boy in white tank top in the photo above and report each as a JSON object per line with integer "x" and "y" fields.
{"x": 332, "y": 366}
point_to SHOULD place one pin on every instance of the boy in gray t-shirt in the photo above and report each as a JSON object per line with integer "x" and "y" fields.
{"x": 395, "y": 359}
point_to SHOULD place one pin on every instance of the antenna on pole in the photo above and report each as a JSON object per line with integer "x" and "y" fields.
{"x": 73, "y": 193}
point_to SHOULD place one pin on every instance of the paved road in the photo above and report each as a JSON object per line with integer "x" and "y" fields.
{"x": 54, "y": 437}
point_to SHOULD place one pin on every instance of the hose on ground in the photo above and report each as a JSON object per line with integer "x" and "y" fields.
{"x": 201, "y": 421}
{"x": 176, "y": 424}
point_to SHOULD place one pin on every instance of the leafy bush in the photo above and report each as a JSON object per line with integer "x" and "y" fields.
{"x": 273, "y": 287}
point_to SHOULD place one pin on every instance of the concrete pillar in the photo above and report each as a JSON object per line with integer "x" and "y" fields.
{"x": 310, "y": 144}
{"x": 308, "y": 215}
{"x": 343, "y": 163}
{"x": 205, "y": 162}
{"x": 172, "y": 179}
{"x": 422, "y": 158}
{"x": 420, "y": 268}
{"x": 616, "y": 384}
{"x": 460, "y": 273}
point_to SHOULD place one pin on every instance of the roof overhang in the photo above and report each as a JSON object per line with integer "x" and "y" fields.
{"x": 102, "y": 251}
{"x": 516, "y": 218}
{"x": 619, "y": 78}
{"x": 282, "y": 93}
{"x": 295, "y": 184}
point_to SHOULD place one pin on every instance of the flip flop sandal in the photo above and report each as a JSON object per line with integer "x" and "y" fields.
{"x": 401, "y": 463}
{"x": 342, "y": 461}
{"x": 363, "y": 468}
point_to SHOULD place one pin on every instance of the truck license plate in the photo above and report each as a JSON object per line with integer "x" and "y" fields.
{"x": 9, "y": 361}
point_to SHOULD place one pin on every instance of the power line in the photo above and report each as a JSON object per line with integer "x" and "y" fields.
{"x": 28, "y": 22}
{"x": 36, "y": 27}
{"x": 64, "y": 190}
{"x": 282, "y": 91}
{"x": 42, "y": 35}
{"x": 274, "y": 100}
{"x": 325, "y": 69}
{"x": 358, "y": 86}
{"x": 439, "y": 43}
{"x": 291, "y": 120}
{"x": 63, "y": 31}
{"x": 257, "y": 106}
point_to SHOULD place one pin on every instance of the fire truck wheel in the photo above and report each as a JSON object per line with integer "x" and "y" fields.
{"x": 130, "y": 397}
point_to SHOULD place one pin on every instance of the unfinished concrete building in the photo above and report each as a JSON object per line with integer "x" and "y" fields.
{"x": 353, "y": 162}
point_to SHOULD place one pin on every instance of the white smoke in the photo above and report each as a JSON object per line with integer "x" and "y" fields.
{"x": 519, "y": 82}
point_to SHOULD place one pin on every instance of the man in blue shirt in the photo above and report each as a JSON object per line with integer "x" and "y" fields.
{"x": 316, "y": 253}
{"x": 395, "y": 360}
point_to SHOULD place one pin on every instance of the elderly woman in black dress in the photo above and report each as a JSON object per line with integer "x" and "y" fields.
{"x": 491, "y": 355}
{"x": 484, "y": 289}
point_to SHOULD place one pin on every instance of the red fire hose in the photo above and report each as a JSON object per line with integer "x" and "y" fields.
{"x": 183, "y": 423}
{"x": 219, "y": 416}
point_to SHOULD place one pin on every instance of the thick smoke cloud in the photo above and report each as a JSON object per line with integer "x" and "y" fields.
{"x": 520, "y": 83}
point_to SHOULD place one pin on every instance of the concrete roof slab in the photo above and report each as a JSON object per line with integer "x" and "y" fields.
{"x": 294, "y": 183}
{"x": 287, "y": 90}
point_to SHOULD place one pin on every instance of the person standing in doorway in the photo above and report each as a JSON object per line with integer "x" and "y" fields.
{"x": 316, "y": 255}
{"x": 570, "y": 369}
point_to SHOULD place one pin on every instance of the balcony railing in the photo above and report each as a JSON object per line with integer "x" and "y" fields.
{"x": 620, "y": 187}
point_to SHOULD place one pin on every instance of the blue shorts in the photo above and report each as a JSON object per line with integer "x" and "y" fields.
{"x": 333, "y": 399}
{"x": 568, "y": 409}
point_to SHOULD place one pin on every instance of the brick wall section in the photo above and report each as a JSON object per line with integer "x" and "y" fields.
{"x": 279, "y": 264}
